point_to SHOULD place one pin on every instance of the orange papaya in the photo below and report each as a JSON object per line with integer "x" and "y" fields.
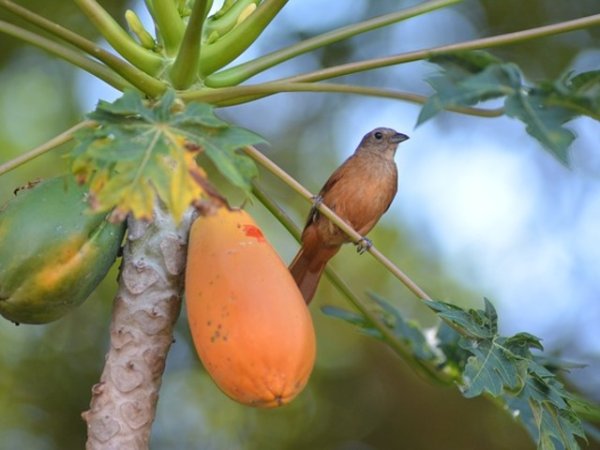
{"x": 250, "y": 325}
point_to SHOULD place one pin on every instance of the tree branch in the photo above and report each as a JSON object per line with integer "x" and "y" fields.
{"x": 62, "y": 138}
{"x": 119, "y": 39}
{"x": 77, "y": 59}
{"x": 237, "y": 74}
{"x": 145, "y": 309}
{"x": 185, "y": 68}
{"x": 477, "y": 44}
{"x": 135, "y": 76}
{"x": 241, "y": 94}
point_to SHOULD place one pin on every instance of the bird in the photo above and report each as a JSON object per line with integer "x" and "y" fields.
{"x": 360, "y": 191}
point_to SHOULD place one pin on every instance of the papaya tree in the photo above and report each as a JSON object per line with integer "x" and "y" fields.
{"x": 135, "y": 168}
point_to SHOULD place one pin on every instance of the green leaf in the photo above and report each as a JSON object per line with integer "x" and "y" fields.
{"x": 579, "y": 93}
{"x": 543, "y": 121}
{"x": 475, "y": 323}
{"x": 139, "y": 151}
{"x": 506, "y": 368}
{"x": 468, "y": 78}
{"x": 491, "y": 369}
{"x": 472, "y": 351}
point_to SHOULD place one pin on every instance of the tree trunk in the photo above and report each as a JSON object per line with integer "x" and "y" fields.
{"x": 145, "y": 309}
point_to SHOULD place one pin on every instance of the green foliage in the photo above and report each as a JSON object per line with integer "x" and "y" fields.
{"x": 141, "y": 150}
{"x": 469, "y": 348}
{"x": 472, "y": 77}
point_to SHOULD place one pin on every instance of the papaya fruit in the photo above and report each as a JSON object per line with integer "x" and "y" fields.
{"x": 53, "y": 250}
{"x": 250, "y": 325}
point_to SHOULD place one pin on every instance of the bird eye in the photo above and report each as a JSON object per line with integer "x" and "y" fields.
{"x": 378, "y": 135}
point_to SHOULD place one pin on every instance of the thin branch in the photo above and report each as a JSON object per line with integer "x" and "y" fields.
{"x": 62, "y": 138}
{"x": 135, "y": 76}
{"x": 397, "y": 345}
{"x": 237, "y": 74}
{"x": 66, "y": 53}
{"x": 477, "y": 44}
{"x": 185, "y": 68}
{"x": 119, "y": 39}
{"x": 241, "y": 94}
{"x": 334, "y": 218}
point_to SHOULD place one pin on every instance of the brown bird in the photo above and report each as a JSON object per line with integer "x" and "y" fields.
{"x": 359, "y": 191}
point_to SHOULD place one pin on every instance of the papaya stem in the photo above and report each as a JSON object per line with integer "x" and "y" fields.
{"x": 119, "y": 39}
{"x": 240, "y": 94}
{"x": 68, "y": 54}
{"x": 62, "y": 138}
{"x": 185, "y": 68}
{"x": 141, "y": 80}
{"x": 235, "y": 42}
{"x": 241, "y": 72}
{"x": 169, "y": 24}
{"x": 475, "y": 44}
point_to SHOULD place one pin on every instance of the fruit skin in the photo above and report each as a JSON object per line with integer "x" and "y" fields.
{"x": 53, "y": 251}
{"x": 250, "y": 325}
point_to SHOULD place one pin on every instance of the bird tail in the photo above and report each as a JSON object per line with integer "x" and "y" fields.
{"x": 308, "y": 266}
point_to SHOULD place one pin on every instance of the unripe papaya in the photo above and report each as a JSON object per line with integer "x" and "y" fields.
{"x": 250, "y": 324}
{"x": 53, "y": 251}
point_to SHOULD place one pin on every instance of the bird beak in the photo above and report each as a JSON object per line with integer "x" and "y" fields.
{"x": 399, "y": 137}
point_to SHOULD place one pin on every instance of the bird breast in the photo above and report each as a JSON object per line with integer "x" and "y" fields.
{"x": 364, "y": 192}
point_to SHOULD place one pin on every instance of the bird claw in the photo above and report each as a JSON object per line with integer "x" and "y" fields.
{"x": 317, "y": 200}
{"x": 363, "y": 245}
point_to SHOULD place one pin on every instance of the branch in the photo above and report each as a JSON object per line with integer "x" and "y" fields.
{"x": 185, "y": 68}
{"x": 119, "y": 39}
{"x": 334, "y": 218}
{"x": 233, "y": 44}
{"x": 146, "y": 307}
{"x": 241, "y": 94}
{"x": 62, "y": 138}
{"x": 169, "y": 24}
{"x": 133, "y": 75}
{"x": 241, "y": 72}
{"x": 477, "y": 44}
{"x": 77, "y": 59}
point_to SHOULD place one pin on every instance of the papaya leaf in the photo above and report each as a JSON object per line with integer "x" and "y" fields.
{"x": 542, "y": 121}
{"x": 139, "y": 151}
{"x": 475, "y": 323}
{"x": 492, "y": 82}
{"x": 472, "y": 351}
{"x": 468, "y": 78}
{"x": 506, "y": 368}
{"x": 578, "y": 93}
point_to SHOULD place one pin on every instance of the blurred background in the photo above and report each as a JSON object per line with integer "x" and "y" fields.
{"x": 482, "y": 210}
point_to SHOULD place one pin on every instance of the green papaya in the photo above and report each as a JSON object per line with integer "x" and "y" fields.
{"x": 53, "y": 250}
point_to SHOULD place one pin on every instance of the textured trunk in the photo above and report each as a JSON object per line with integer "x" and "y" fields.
{"x": 145, "y": 309}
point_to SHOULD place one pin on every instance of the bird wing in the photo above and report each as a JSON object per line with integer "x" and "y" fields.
{"x": 313, "y": 215}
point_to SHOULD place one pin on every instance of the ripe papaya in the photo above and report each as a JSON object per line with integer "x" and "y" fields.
{"x": 249, "y": 322}
{"x": 53, "y": 251}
